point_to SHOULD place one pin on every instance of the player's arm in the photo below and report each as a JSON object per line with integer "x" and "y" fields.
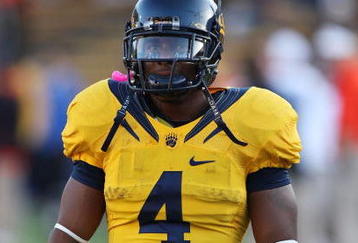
{"x": 82, "y": 205}
{"x": 271, "y": 200}
{"x": 273, "y": 210}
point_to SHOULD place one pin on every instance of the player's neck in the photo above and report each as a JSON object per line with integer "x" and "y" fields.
{"x": 184, "y": 108}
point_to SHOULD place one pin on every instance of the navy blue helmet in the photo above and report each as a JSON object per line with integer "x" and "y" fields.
{"x": 175, "y": 32}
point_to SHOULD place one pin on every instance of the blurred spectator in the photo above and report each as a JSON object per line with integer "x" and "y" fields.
{"x": 49, "y": 89}
{"x": 288, "y": 71}
{"x": 337, "y": 49}
{"x": 11, "y": 164}
{"x": 12, "y": 161}
{"x": 46, "y": 85}
{"x": 48, "y": 170}
{"x": 338, "y": 52}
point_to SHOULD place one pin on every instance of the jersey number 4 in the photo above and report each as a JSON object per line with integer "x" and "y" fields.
{"x": 167, "y": 191}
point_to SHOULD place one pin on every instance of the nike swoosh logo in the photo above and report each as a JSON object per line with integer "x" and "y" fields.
{"x": 195, "y": 163}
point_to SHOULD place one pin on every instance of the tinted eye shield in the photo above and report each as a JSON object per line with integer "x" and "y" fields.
{"x": 188, "y": 42}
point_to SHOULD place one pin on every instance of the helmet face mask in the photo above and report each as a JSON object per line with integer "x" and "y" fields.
{"x": 178, "y": 40}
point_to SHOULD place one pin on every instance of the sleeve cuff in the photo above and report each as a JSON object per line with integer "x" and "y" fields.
{"x": 266, "y": 179}
{"x": 89, "y": 175}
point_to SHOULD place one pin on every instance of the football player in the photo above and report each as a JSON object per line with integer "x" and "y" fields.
{"x": 167, "y": 157}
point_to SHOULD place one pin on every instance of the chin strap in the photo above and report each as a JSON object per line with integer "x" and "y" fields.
{"x": 218, "y": 118}
{"x": 117, "y": 122}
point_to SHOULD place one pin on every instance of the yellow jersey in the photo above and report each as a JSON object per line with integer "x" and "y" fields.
{"x": 179, "y": 184}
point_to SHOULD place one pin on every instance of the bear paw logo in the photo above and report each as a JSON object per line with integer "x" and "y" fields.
{"x": 171, "y": 139}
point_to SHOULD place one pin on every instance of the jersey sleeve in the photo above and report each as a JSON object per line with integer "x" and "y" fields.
{"x": 267, "y": 179}
{"x": 89, "y": 175}
{"x": 280, "y": 144}
{"x": 89, "y": 117}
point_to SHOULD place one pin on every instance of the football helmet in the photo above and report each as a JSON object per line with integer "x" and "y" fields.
{"x": 175, "y": 32}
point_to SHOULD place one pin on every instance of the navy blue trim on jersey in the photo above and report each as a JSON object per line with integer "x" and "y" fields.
{"x": 213, "y": 133}
{"x": 223, "y": 102}
{"x": 151, "y": 109}
{"x": 89, "y": 175}
{"x": 266, "y": 179}
{"x": 121, "y": 91}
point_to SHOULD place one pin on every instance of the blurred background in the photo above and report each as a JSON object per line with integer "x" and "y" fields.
{"x": 305, "y": 50}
